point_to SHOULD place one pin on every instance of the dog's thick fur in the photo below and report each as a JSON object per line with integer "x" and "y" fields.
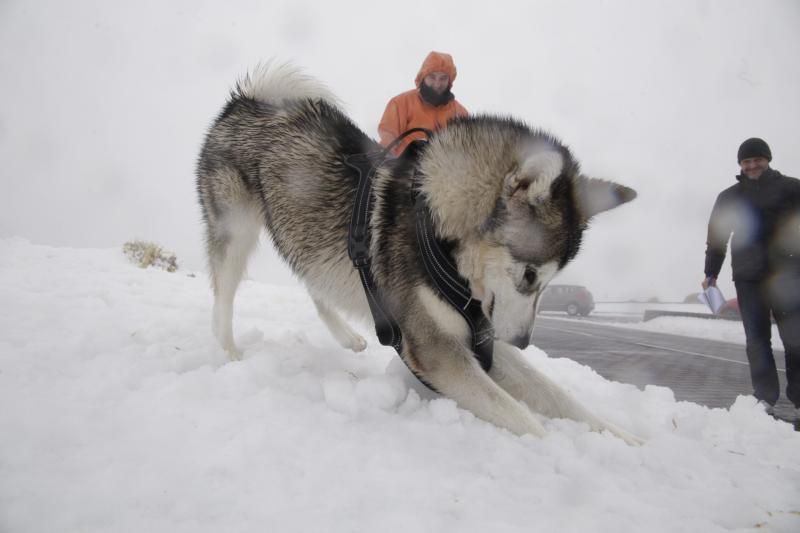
{"x": 510, "y": 201}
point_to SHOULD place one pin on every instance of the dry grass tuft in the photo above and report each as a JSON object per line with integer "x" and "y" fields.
{"x": 147, "y": 254}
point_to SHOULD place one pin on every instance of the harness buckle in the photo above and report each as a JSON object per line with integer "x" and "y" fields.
{"x": 358, "y": 250}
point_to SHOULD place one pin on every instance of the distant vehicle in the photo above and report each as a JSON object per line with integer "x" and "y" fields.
{"x": 571, "y": 299}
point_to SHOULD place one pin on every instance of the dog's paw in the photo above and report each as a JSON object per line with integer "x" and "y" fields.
{"x": 357, "y": 343}
{"x": 629, "y": 438}
{"x": 350, "y": 340}
{"x": 234, "y": 353}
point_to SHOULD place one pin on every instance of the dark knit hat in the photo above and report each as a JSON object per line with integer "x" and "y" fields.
{"x": 754, "y": 147}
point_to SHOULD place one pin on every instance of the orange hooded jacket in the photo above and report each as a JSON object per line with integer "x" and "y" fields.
{"x": 408, "y": 110}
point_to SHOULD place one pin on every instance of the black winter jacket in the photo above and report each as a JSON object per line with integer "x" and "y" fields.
{"x": 764, "y": 217}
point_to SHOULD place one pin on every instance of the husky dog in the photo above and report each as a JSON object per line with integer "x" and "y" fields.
{"x": 509, "y": 202}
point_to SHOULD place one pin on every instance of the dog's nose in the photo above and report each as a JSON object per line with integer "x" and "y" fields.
{"x": 520, "y": 341}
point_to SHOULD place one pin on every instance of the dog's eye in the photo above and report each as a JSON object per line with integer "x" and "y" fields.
{"x": 530, "y": 275}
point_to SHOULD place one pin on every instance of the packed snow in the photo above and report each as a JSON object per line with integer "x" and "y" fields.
{"x": 718, "y": 330}
{"x": 120, "y": 413}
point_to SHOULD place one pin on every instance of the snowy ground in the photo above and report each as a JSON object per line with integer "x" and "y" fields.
{"x": 118, "y": 413}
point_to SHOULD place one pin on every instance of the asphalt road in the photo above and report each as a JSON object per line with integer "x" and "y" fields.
{"x": 710, "y": 373}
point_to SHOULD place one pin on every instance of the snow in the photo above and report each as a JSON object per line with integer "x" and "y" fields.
{"x": 718, "y": 330}
{"x": 120, "y": 413}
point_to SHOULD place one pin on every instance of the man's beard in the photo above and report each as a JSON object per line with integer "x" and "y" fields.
{"x": 434, "y": 98}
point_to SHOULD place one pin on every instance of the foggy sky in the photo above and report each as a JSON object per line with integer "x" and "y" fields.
{"x": 105, "y": 104}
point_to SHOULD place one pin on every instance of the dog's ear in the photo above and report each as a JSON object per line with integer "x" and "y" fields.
{"x": 531, "y": 179}
{"x": 515, "y": 183}
{"x": 594, "y": 195}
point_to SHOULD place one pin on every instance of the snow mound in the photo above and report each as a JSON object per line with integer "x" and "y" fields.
{"x": 120, "y": 413}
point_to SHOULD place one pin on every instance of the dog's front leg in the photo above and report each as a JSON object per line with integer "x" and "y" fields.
{"x": 522, "y": 381}
{"x": 453, "y": 371}
{"x": 341, "y": 331}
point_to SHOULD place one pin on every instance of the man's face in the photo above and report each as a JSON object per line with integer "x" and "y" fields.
{"x": 754, "y": 167}
{"x": 438, "y": 81}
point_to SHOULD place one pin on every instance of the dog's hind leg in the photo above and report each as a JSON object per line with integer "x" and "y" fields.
{"x": 521, "y": 380}
{"x": 233, "y": 227}
{"x": 341, "y": 330}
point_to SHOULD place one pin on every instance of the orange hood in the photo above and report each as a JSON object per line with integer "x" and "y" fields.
{"x": 437, "y": 62}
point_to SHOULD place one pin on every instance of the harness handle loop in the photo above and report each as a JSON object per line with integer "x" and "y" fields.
{"x": 405, "y": 134}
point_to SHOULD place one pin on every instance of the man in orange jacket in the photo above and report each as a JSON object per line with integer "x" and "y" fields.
{"x": 428, "y": 106}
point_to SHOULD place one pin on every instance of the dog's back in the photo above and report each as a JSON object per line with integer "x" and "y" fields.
{"x": 274, "y": 158}
{"x": 280, "y": 140}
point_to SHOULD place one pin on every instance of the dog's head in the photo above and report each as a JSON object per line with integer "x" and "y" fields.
{"x": 515, "y": 201}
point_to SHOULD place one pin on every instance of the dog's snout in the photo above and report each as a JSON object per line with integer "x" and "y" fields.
{"x": 520, "y": 341}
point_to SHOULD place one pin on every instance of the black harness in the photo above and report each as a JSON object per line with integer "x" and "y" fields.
{"x": 436, "y": 255}
{"x": 358, "y": 240}
{"x": 438, "y": 260}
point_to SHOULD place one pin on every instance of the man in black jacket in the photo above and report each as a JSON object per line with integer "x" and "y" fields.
{"x": 762, "y": 210}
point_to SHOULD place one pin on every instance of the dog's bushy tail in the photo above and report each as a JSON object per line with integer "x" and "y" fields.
{"x": 277, "y": 83}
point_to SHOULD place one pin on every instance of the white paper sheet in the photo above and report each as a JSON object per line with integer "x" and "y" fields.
{"x": 713, "y": 298}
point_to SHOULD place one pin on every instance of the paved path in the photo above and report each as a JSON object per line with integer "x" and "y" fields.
{"x": 711, "y": 373}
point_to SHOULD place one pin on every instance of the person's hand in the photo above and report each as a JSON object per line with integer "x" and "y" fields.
{"x": 709, "y": 282}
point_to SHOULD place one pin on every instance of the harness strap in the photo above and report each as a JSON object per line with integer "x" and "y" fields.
{"x": 386, "y": 327}
{"x": 435, "y": 254}
{"x": 455, "y": 289}
{"x": 365, "y": 165}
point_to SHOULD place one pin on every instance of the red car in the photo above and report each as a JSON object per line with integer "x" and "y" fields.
{"x": 573, "y": 299}
{"x": 730, "y": 310}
